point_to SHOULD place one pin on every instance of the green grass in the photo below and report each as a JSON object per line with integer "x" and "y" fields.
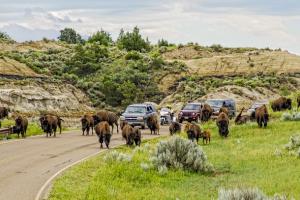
{"x": 246, "y": 158}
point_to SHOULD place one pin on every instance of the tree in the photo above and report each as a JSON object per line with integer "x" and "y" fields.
{"x": 101, "y": 37}
{"x": 162, "y": 43}
{"x": 133, "y": 41}
{"x": 4, "y": 37}
{"x": 70, "y": 36}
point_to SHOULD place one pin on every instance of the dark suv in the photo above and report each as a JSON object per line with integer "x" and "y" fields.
{"x": 137, "y": 114}
{"x": 190, "y": 112}
{"x": 216, "y": 104}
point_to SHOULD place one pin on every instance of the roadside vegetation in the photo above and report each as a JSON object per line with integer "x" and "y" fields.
{"x": 33, "y": 128}
{"x": 250, "y": 157}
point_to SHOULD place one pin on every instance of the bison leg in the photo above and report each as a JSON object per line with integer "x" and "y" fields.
{"x": 88, "y": 130}
{"x": 101, "y": 141}
{"x": 107, "y": 140}
{"x": 92, "y": 130}
{"x": 83, "y": 129}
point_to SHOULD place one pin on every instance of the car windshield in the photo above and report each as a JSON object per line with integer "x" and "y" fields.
{"x": 191, "y": 107}
{"x": 215, "y": 103}
{"x": 135, "y": 109}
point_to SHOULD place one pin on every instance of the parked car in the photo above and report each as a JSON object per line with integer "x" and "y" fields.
{"x": 256, "y": 104}
{"x": 190, "y": 112}
{"x": 216, "y": 104}
{"x": 137, "y": 114}
{"x": 166, "y": 116}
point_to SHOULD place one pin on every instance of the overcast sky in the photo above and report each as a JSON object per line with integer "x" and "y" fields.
{"x": 252, "y": 23}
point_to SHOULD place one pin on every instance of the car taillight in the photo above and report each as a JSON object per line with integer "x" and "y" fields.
{"x": 193, "y": 113}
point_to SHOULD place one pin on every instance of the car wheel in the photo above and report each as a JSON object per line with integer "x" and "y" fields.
{"x": 143, "y": 126}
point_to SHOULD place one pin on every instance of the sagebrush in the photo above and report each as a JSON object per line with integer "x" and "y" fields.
{"x": 179, "y": 153}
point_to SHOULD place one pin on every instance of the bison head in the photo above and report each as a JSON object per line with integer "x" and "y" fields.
{"x": 84, "y": 123}
{"x": 288, "y": 104}
{"x": 96, "y": 119}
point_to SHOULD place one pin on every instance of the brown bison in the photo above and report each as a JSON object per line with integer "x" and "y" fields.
{"x": 298, "y": 101}
{"x": 21, "y": 124}
{"x": 193, "y": 131}
{"x": 49, "y": 124}
{"x": 131, "y": 135}
{"x": 207, "y": 112}
{"x": 87, "y": 123}
{"x": 282, "y": 103}
{"x": 262, "y": 116}
{"x": 103, "y": 132}
{"x": 241, "y": 119}
{"x": 137, "y": 136}
{"x": 174, "y": 128}
{"x": 153, "y": 124}
{"x": 223, "y": 124}
{"x": 206, "y": 135}
{"x": 223, "y": 109}
{"x": 110, "y": 117}
{"x": 4, "y": 112}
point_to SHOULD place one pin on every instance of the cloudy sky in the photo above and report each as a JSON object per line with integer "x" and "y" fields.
{"x": 252, "y": 23}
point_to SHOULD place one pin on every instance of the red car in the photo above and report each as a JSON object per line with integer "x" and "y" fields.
{"x": 190, "y": 112}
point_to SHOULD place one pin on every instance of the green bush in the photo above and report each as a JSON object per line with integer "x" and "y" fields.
{"x": 133, "y": 55}
{"x": 179, "y": 153}
{"x": 133, "y": 41}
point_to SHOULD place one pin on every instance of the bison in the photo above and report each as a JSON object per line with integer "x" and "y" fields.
{"x": 110, "y": 117}
{"x": 21, "y": 126}
{"x": 49, "y": 124}
{"x": 223, "y": 109}
{"x": 87, "y": 123}
{"x": 130, "y": 134}
{"x": 241, "y": 119}
{"x": 137, "y": 136}
{"x": 282, "y": 103}
{"x": 4, "y": 112}
{"x": 206, "y": 135}
{"x": 174, "y": 128}
{"x": 193, "y": 131}
{"x": 207, "y": 112}
{"x": 223, "y": 124}
{"x": 262, "y": 116}
{"x": 103, "y": 132}
{"x": 153, "y": 124}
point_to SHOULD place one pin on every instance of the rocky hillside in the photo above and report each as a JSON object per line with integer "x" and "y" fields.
{"x": 244, "y": 74}
{"x": 70, "y": 79}
{"x": 28, "y": 92}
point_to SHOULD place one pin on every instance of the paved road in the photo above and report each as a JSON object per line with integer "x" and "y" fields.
{"x": 25, "y": 165}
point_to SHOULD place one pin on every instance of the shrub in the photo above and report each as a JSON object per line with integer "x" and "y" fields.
{"x": 241, "y": 193}
{"x": 247, "y": 194}
{"x": 294, "y": 145}
{"x": 133, "y": 55}
{"x": 179, "y": 153}
{"x": 115, "y": 156}
{"x": 294, "y": 116}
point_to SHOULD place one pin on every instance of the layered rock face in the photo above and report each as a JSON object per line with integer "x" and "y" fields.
{"x": 33, "y": 97}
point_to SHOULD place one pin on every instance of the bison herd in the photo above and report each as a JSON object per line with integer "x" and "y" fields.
{"x": 102, "y": 123}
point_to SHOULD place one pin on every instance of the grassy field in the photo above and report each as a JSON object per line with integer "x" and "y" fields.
{"x": 247, "y": 158}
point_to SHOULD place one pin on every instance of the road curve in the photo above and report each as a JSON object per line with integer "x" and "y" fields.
{"x": 25, "y": 165}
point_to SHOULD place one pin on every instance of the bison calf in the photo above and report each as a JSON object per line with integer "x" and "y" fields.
{"x": 206, "y": 135}
{"x": 103, "y": 132}
{"x": 241, "y": 119}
